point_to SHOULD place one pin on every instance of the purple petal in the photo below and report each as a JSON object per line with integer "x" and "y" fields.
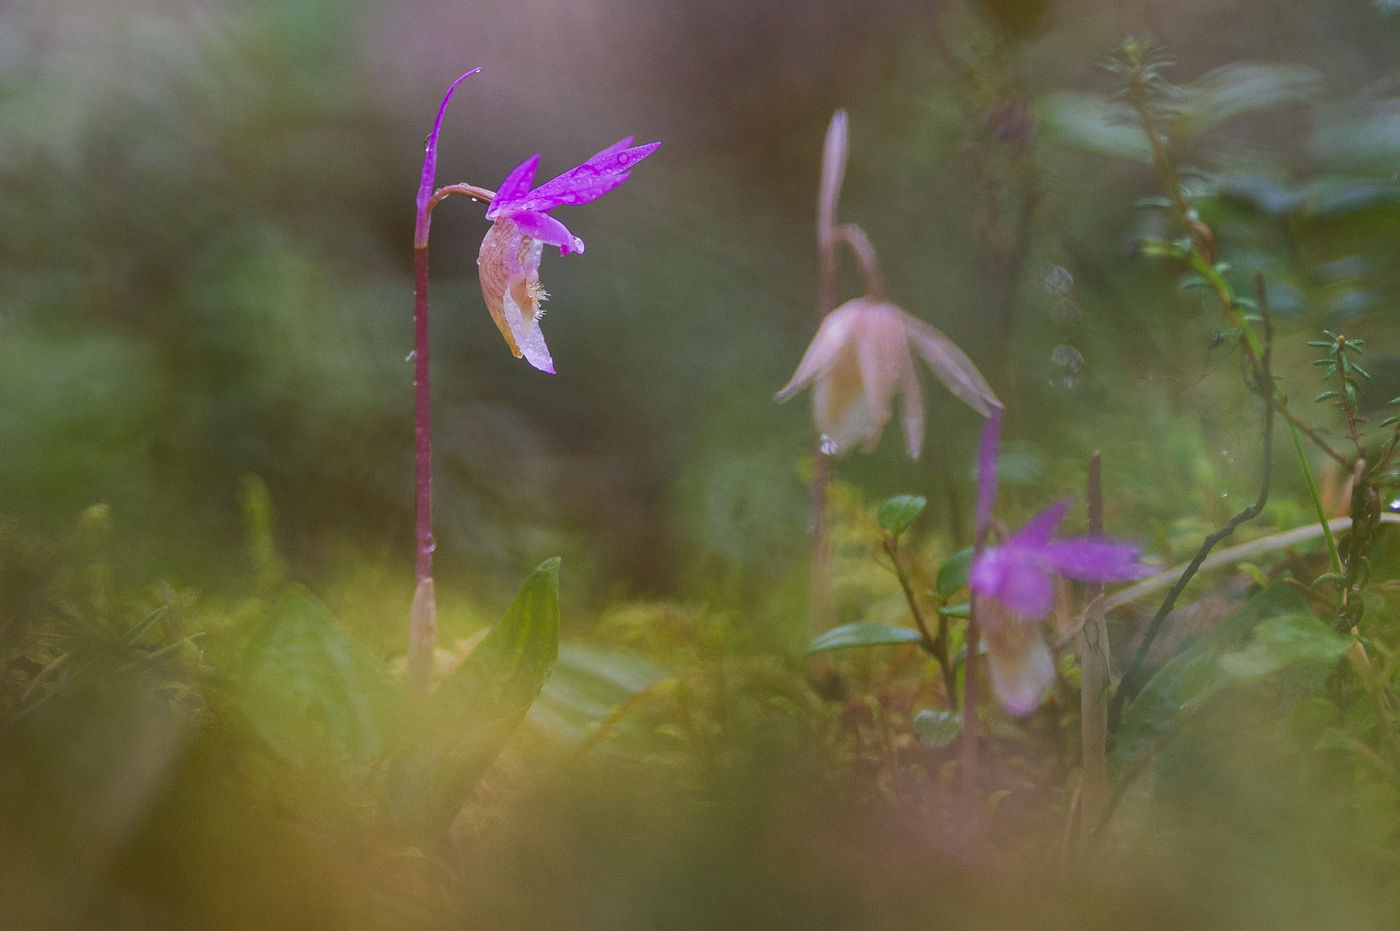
{"x": 1091, "y": 559}
{"x": 1011, "y": 575}
{"x": 589, "y": 181}
{"x": 513, "y": 188}
{"x": 952, "y": 366}
{"x": 544, "y": 228}
{"x": 1037, "y": 533}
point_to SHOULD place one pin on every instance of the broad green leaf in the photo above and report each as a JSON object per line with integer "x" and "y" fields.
{"x": 457, "y": 734}
{"x": 862, "y": 634}
{"x": 588, "y": 685}
{"x": 952, "y": 575}
{"x": 504, "y": 674}
{"x": 1282, "y": 641}
{"x": 937, "y": 728}
{"x": 897, "y": 514}
{"x": 307, "y": 687}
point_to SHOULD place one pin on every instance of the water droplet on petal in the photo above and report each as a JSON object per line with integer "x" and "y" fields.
{"x": 828, "y": 445}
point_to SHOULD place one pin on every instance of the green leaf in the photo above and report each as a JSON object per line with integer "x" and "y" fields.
{"x": 898, "y": 513}
{"x": 1094, "y": 124}
{"x": 1282, "y": 641}
{"x": 588, "y": 685}
{"x": 937, "y": 728}
{"x": 308, "y": 688}
{"x": 862, "y": 634}
{"x": 503, "y": 675}
{"x": 1194, "y": 674}
{"x": 952, "y": 575}
{"x": 455, "y": 736}
{"x": 1235, "y": 89}
{"x": 963, "y": 610}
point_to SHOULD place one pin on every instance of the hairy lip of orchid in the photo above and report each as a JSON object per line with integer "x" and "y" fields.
{"x": 862, "y": 356}
{"x": 509, "y": 260}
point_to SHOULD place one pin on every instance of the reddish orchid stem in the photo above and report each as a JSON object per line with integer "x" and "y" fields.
{"x": 422, "y": 633}
{"x": 422, "y": 422}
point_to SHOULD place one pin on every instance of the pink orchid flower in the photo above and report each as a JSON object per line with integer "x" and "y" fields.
{"x": 1016, "y": 584}
{"x": 509, "y": 260}
{"x": 862, "y": 356}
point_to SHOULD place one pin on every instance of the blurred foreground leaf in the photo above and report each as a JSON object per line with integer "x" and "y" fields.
{"x": 1282, "y": 641}
{"x": 1201, "y": 668}
{"x": 588, "y": 687}
{"x": 309, "y": 688}
{"x": 937, "y": 728}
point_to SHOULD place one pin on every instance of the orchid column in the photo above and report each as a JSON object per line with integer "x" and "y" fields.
{"x": 509, "y": 265}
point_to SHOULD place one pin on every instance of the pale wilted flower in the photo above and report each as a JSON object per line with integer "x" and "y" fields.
{"x": 1015, "y": 585}
{"x": 509, "y": 260}
{"x": 862, "y": 356}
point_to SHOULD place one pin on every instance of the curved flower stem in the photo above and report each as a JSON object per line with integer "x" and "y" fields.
{"x": 467, "y": 190}
{"x": 864, "y": 252}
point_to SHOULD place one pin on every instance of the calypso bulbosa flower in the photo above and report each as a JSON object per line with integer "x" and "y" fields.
{"x": 509, "y": 260}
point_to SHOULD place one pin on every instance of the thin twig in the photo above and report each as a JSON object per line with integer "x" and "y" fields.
{"x": 936, "y": 646}
{"x": 1263, "y": 383}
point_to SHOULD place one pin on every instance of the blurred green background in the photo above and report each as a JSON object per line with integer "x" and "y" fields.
{"x": 206, "y": 215}
{"x": 204, "y": 263}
